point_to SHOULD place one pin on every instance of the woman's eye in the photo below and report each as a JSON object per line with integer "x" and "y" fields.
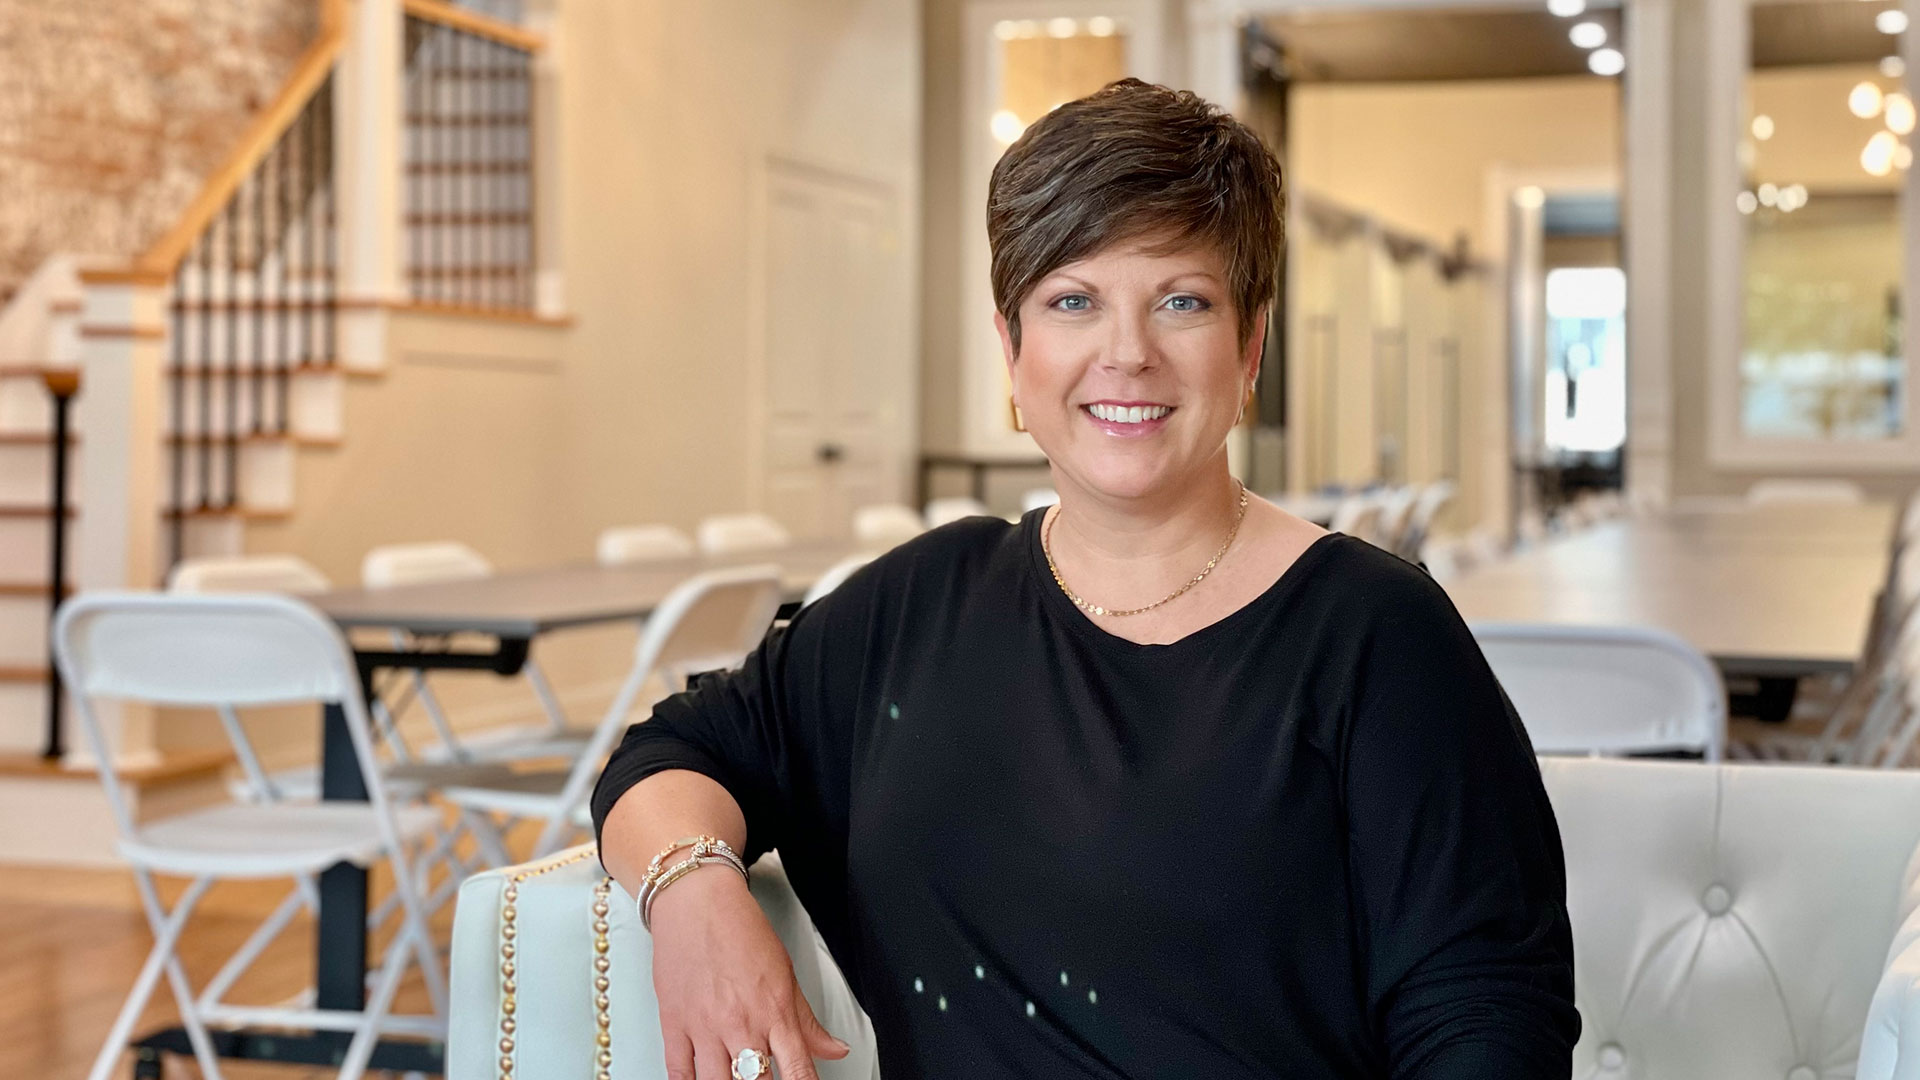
{"x": 1075, "y": 302}
{"x": 1187, "y": 303}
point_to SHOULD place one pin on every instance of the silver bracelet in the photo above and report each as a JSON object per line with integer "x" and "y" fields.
{"x": 707, "y": 851}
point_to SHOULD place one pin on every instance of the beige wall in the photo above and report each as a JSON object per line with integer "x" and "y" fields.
{"x": 1417, "y": 156}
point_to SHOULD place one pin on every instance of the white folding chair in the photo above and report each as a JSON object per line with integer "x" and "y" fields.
{"x": 1036, "y": 498}
{"x": 836, "y": 575}
{"x": 1358, "y": 516}
{"x": 628, "y": 544}
{"x": 1444, "y": 558}
{"x": 887, "y": 525}
{"x": 1782, "y": 490}
{"x": 395, "y": 565}
{"x": 1396, "y": 515}
{"x": 1608, "y": 690}
{"x": 947, "y": 511}
{"x": 235, "y": 652}
{"x": 1427, "y": 507}
{"x": 710, "y": 621}
{"x": 740, "y": 534}
{"x": 288, "y": 574}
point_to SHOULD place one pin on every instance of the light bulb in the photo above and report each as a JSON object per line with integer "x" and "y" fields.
{"x": 1899, "y": 111}
{"x": 1566, "y": 9}
{"x": 1877, "y": 156}
{"x": 1606, "y": 62}
{"x": 1745, "y": 202}
{"x": 1891, "y": 21}
{"x": 1006, "y": 126}
{"x": 1588, "y": 35}
{"x": 1865, "y": 99}
{"x": 1893, "y": 67}
{"x": 1100, "y": 26}
{"x": 1763, "y": 127}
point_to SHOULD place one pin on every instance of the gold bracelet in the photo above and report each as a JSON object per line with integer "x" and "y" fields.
{"x": 706, "y": 852}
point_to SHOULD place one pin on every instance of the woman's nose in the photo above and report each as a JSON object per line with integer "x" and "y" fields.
{"x": 1129, "y": 347}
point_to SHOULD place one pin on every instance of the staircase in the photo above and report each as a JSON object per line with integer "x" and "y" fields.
{"x": 211, "y": 363}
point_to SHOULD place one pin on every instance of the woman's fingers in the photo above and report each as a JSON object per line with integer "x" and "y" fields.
{"x": 819, "y": 1040}
{"x": 790, "y": 1050}
{"x": 713, "y": 1060}
{"x": 679, "y": 1056}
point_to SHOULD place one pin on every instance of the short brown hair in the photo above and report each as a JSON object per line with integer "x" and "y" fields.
{"x": 1128, "y": 161}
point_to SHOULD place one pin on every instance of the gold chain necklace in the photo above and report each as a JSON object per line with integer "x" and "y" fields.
{"x": 1046, "y": 548}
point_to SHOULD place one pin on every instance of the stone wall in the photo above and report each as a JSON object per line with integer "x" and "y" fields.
{"x": 113, "y": 112}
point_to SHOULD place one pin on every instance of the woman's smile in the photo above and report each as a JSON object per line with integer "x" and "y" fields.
{"x": 1127, "y": 419}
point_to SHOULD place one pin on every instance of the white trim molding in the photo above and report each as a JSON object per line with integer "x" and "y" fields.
{"x": 1728, "y": 39}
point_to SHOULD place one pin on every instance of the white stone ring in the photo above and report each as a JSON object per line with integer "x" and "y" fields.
{"x": 749, "y": 1064}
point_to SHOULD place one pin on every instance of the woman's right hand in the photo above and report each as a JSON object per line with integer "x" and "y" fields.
{"x": 725, "y": 983}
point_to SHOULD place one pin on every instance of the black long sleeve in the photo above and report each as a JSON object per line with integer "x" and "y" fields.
{"x": 1308, "y": 840}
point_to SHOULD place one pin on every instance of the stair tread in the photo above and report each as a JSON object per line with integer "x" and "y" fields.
{"x": 36, "y": 589}
{"x": 173, "y": 765}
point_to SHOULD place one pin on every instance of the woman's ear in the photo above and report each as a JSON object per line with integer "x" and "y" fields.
{"x": 1256, "y": 345}
{"x": 1006, "y": 341}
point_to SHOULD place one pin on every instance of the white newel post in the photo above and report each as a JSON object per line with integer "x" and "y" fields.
{"x": 368, "y": 164}
{"x": 116, "y": 539}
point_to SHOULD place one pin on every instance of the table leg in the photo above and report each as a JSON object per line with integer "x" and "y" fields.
{"x": 341, "y": 934}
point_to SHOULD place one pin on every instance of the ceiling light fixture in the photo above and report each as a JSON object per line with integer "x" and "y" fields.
{"x": 1606, "y": 62}
{"x": 1763, "y": 127}
{"x": 1865, "y": 100}
{"x": 1566, "y": 9}
{"x": 1891, "y": 21}
{"x": 1899, "y": 113}
{"x": 1588, "y": 35}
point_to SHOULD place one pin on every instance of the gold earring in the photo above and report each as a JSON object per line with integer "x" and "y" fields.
{"x": 1013, "y": 412}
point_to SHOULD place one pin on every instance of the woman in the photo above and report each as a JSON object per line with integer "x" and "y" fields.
{"x": 1159, "y": 782}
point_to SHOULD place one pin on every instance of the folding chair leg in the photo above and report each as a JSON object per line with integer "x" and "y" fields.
{"x": 166, "y": 931}
{"x": 256, "y": 943}
{"x": 492, "y": 847}
{"x": 549, "y": 701}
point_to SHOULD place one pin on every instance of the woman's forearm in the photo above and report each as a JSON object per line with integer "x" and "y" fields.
{"x": 661, "y": 809}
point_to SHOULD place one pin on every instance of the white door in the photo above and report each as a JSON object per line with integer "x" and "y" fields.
{"x": 838, "y": 359}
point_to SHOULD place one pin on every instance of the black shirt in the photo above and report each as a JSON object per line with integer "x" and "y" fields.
{"x": 1308, "y": 840}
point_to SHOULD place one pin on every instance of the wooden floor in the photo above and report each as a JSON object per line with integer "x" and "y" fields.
{"x": 71, "y": 942}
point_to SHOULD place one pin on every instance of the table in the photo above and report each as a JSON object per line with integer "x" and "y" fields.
{"x": 514, "y": 608}
{"x": 1774, "y": 591}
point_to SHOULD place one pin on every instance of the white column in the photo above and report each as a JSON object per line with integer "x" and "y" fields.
{"x": 368, "y": 162}
{"x": 116, "y": 538}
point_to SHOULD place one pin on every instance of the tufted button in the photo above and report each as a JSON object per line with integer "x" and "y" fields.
{"x": 1802, "y": 1072}
{"x": 1718, "y": 900}
{"x": 1612, "y": 1057}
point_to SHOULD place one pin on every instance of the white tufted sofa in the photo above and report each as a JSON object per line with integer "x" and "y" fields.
{"x": 1731, "y": 922}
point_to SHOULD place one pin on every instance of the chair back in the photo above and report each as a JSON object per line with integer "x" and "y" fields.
{"x": 247, "y": 573}
{"x": 1358, "y": 516}
{"x": 1427, "y": 507}
{"x": 736, "y": 534}
{"x": 213, "y": 651}
{"x": 708, "y": 622}
{"x": 947, "y": 511}
{"x": 625, "y": 545}
{"x": 1731, "y": 921}
{"x": 887, "y": 525}
{"x": 835, "y": 576}
{"x": 422, "y": 564}
{"x": 1607, "y": 690}
{"x": 1397, "y": 508}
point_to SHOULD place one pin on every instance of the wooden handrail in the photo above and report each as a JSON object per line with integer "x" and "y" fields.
{"x": 472, "y": 22}
{"x": 308, "y": 76}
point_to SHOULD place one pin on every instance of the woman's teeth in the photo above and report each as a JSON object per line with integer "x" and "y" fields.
{"x": 1129, "y": 414}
